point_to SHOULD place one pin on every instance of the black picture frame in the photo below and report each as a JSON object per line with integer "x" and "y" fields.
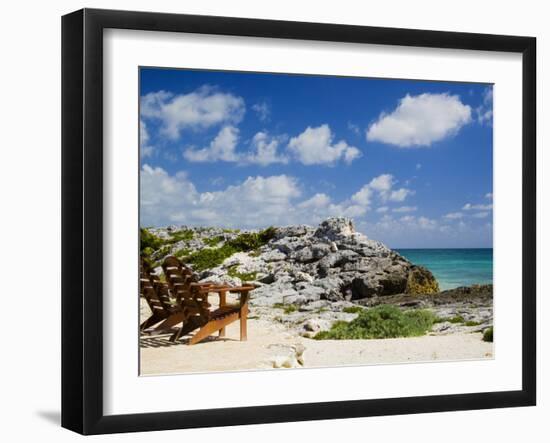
{"x": 82, "y": 218}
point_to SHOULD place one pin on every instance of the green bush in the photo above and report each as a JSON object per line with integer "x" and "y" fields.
{"x": 184, "y": 234}
{"x": 455, "y": 319}
{"x": 488, "y": 334}
{"x": 213, "y": 241}
{"x": 287, "y": 309}
{"x": 244, "y": 276}
{"x": 181, "y": 253}
{"x": 148, "y": 242}
{"x": 210, "y": 258}
{"x": 249, "y": 241}
{"x": 472, "y": 323}
{"x": 353, "y": 309}
{"x": 384, "y": 321}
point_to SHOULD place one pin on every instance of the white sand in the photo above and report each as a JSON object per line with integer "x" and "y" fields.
{"x": 159, "y": 356}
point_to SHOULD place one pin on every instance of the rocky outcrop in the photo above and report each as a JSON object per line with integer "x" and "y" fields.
{"x": 309, "y": 278}
{"x": 301, "y": 264}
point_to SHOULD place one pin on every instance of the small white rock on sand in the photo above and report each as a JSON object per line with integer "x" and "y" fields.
{"x": 270, "y": 344}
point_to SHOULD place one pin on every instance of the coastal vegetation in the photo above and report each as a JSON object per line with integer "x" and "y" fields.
{"x": 488, "y": 334}
{"x": 211, "y": 257}
{"x": 384, "y": 321}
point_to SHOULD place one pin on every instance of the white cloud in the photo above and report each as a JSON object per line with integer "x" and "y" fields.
{"x": 477, "y": 207}
{"x": 485, "y": 110}
{"x": 454, "y": 215}
{"x": 421, "y": 120}
{"x": 405, "y": 209}
{"x": 408, "y": 218}
{"x": 201, "y": 109}
{"x": 315, "y": 146}
{"x": 161, "y": 195}
{"x": 317, "y": 201}
{"x": 489, "y": 195}
{"x": 265, "y": 150}
{"x": 363, "y": 196}
{"x": 382, "y": 209}
{"x": 382, "y": 186}
{"x": 403, "y": 226}
{"x": 263, "y": 110}
{"x": 143, "y": 133}
{"x": 400, "y": 195}
{"x": 383, "y": 183}
{"x": 427, "y": 223}
{"x": 255, "y": 202}
{"x": 221, "y": 148}
{"x": 320, "y": 206}
{"x": 418, "y": 166}
{"x": 145, "y": 150}
{"x": 481, "y": 215}
{"x": 354, "y": 128}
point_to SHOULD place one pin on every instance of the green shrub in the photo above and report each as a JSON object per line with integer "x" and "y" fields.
{"x": 213, "y": 241}
{"x": 231, "y": 231}
{"x": 287, "y": 309}
{"x": 353, "y": 309}
{"x": 181, "y": 253}
{"x": 472, "y": 323}
{"x": 244, "y": 276}
{"x": 249, "y": 241}
{"x": 267, "y": 234}
{"x": 210, "y": 258}
{"x": 148, "y": 241}
{"x": 184, "y": 234}
{"x": 455, "y": 319}
{"x": 147, "y": 252}
{"x": 384, "y": 321}
{"x": 488, "y": 334}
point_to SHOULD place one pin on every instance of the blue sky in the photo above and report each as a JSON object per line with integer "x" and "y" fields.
{"x": 409, "y": 161}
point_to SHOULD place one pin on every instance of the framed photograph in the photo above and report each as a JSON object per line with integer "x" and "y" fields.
{"x": 269, "y": 221}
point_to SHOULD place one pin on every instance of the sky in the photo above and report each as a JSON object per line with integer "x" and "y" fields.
{"x": 409, "y": 161}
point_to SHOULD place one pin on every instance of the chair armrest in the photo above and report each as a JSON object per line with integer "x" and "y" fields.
{"x": 241, "y": 289}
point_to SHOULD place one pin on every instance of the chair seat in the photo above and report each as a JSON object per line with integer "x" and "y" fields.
{"x": 224, "y": 312}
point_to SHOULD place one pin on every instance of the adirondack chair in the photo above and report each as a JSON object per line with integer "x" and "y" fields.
{"x": 156, "y": 293}
{"x": 194, "y": 296}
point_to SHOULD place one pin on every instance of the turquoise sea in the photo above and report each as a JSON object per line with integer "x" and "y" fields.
{"x": 454, "y": 267}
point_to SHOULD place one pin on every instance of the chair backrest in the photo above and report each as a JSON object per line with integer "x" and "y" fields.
{"x": 153, "y": 290}
{"x": 183, "y": 284}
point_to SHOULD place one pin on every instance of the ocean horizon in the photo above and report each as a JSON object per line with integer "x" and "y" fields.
{"x": 454, "y": 267}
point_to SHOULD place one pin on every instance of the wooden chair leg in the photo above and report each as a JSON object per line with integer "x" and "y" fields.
{"x": 171, "y": 321}
{"x": 185, "y": 329}
{"x": 242, "y": 316}
{"x": 223, "y": 302}
{"x": 151, "y": 321}
{"x": 211, "y": 327}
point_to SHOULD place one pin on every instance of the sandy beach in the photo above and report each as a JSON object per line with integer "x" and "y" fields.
{"x": 271, "y": 345}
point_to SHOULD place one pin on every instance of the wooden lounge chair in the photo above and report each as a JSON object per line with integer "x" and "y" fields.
{"x": 194, "y": 296}
{"x": 157, "y": 295}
